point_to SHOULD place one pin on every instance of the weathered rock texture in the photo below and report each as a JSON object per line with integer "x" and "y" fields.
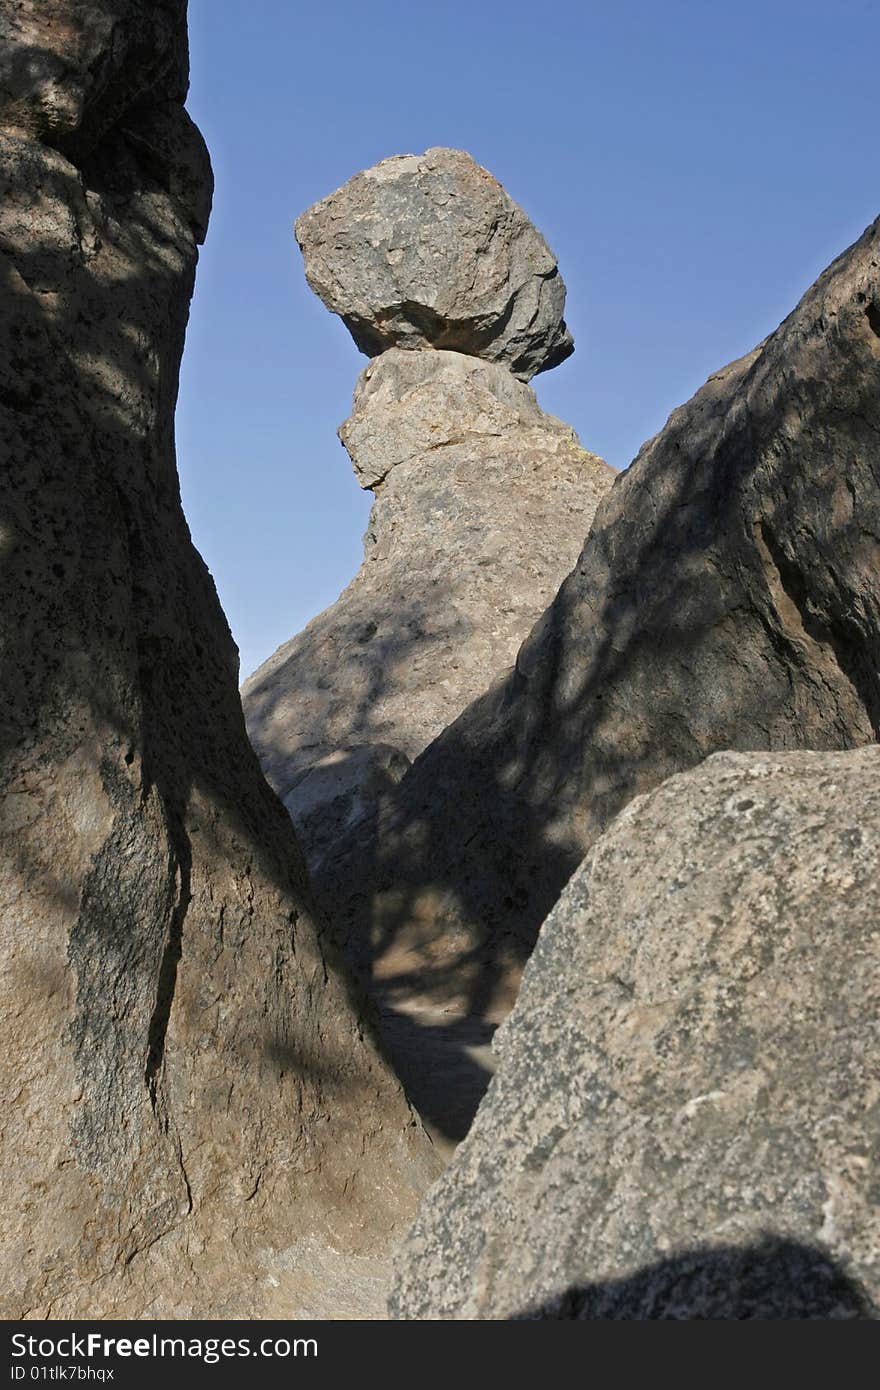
{"x": 728, "y": 596}
{"x": 684, "y": 1122}
{"x": 430, "y": 251}
{"x": 190, "y": 1106}
{"x": 482, "y": 503}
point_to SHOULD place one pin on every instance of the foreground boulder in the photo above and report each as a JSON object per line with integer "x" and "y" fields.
{"x": 194, "y": 1119}
{"x": 684, "y": 1119}
{"x": 430, "y": 251}
{"x": 727, "y": 597}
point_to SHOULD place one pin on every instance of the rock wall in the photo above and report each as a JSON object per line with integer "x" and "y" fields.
{"x": 726, "y": 597}
{"x": 684, "y": 1119}
{"x": 192, "y": 1105}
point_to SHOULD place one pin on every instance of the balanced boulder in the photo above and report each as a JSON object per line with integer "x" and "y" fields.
{"x": 430, "y": 251}
{"x": 482, "y": 504}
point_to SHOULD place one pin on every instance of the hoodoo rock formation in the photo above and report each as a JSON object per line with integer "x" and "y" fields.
{"x": 684, "y": 1119}
{"x": 482, "y": 504}
{"x": 194, "y": 1121}
{"x": 727, "y": 596}
{"x": 430, "y": 251}
{"x": 482, "y": 500}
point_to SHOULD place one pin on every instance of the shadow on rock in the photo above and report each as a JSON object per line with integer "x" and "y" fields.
{"x": 777, "y": 1279}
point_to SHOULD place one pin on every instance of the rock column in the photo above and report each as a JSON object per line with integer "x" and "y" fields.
{"x": 482, "y": 504}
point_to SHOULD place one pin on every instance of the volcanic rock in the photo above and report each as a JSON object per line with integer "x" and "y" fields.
{"x": 191, "y": 1105}
{"x": 430, "y": 251}
{"x": 684, "y": 1119}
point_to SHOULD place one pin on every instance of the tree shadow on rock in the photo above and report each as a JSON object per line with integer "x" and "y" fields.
{"x": 157, "y": 901}
{"x": 776, "y": 1279}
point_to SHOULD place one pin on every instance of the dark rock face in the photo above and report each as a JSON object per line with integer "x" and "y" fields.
{"x": 727, "y": 597}
{"x": 430, "y": 251}
{"x": 190, "y": 1091}
{"x": 683, "y": 1123}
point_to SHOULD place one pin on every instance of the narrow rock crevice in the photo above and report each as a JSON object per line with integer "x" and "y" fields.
{"x": 167, "y": 977}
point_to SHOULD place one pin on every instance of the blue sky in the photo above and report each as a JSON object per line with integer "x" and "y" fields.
{"x": 693, "y": 166}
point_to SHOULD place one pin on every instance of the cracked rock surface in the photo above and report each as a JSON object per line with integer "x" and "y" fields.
{"x": 430, "y": 251}
{"x": 191, "y": 1092}
{"x": 683, "y": 1123}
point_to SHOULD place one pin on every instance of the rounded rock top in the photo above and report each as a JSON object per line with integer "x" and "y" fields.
{"x": 429, "y": 251}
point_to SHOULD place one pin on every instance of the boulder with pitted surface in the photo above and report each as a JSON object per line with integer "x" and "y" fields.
{"x": 430, "y": 251}
{"x": 683, "y": 1123}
